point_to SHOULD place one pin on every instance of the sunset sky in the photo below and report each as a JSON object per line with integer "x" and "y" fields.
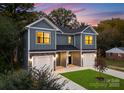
{"x": 88, "y": 13}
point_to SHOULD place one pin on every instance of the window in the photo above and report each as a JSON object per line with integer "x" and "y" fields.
{"x": 43, "y": 37}
{"x": 69, "y": 39}
{"x": 88, "y": 40}
{"x": 119, "y": 55}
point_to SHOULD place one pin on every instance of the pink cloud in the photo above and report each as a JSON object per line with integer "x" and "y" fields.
{"x": 38, "y": 4}
{"x": 79, "y": 10}
{"x": 66, "y": 6}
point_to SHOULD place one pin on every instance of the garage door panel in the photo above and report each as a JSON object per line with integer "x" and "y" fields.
{"x": 41, "y": 61}
{"x": 88, "y": 59}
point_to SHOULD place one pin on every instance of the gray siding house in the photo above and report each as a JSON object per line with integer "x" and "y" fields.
{"x": 55, "y": 46}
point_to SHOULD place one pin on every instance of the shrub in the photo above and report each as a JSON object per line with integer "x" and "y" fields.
{"x": 33, "y": 79}
{"x": 101, "y": 66}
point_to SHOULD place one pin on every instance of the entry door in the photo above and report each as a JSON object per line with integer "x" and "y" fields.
{"x": 88, "y": 59}
{"x": 69, "y": 60}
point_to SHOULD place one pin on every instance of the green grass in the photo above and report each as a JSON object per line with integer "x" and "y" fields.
{"x": 115, "y": 64}
{"x": 87, "y": 79}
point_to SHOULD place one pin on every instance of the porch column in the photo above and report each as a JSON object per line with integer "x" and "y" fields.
{"x": 55, "y": 58}
{"x": 67, "y": 58}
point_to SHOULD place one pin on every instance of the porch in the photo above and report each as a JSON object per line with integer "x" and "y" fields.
{"x": 67, "y": 59}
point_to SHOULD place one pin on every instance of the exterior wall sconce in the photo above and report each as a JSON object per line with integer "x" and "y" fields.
{"x": 30, "y": 62}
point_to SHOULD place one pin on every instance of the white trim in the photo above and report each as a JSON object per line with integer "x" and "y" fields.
{"x": 84, "y": 29}
{"x": 96, "y": 42}
{"x": 91, "y": 28}
{"x": 74, "y": 40}
{"x": 28, "y": 39}
{"x": 43, "y": 28}
{"x": 89, "y": 50}
{"x": 89, "y": 33}
{"x": 55, "y": 40}
{"x": 54, "y": 26}
{"x": 42, "y": 43}
{"x": 81, "y": 49}
{"x": 67, "y": 53}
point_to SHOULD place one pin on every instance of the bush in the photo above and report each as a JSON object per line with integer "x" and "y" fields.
{"x": 33, "y": 79}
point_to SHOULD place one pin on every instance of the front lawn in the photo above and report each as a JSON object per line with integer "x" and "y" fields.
{"x": 87, "y": 79}
{"x": 115, "y": 64}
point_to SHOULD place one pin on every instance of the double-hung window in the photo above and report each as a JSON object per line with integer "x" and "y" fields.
{"x": 69, "y": 39}
{"x": 43, "y": 37}
{"x": 88, "y": 40}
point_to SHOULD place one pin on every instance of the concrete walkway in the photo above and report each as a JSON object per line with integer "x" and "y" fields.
{"x": 74, "y": 86}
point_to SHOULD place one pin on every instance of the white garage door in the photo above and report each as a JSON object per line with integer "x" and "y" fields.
{"x": 89, "y": 59}
{"x": 40, "y": 61}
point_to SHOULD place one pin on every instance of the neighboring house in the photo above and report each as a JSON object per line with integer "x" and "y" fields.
{"x": 54, "y": 46}
{"x": 116, "y": 53}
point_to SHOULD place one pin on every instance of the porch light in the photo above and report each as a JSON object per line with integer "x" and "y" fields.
{"x": 56, "y": 56}
{"x": 69, "y": 55}
{"x": 82, "y": 56}
{"x": 95, "y": 55}
{"x": 30, "y": 62}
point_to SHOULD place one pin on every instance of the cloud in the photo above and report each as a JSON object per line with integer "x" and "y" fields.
{"x": 79, "y": 10}
{"x": 47, "y": 8}
{"x": 107, "y": 14}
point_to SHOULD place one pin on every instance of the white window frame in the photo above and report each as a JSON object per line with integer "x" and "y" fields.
{"x": 43, "y": 32}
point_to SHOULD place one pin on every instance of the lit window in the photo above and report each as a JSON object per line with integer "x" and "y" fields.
{"x": 43, "y": 37}
{"x": 69, "y": 40}
{"x": 88, "y": 40}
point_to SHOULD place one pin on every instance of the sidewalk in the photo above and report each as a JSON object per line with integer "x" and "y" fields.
{"x": 71, "y": 85}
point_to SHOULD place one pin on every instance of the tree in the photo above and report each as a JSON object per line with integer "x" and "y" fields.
{"x": 63, "y": 17}
{"x": 8, "y": 37}
{"x": 111, "y": 34}
{"x": 21, "y": 14}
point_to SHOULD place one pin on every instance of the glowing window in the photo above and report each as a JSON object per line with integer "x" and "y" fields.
{"x": 43, "y": 37}
{"x": 69, "y": 39}
{"x": 88, "y": 40}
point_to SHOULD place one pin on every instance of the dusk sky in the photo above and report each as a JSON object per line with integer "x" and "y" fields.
{"x": 88, "y": 13}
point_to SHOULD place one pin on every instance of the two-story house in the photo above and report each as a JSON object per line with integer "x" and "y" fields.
{"x": 54, "y": 46}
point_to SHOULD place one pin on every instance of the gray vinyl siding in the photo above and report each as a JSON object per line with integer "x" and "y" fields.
{"x": 84, "y": 46}
{"x": 89, "y": 30}
{"x": 77, "y": 41}
{"x": 43, "y": 24}
{"x": 35, "y": 46}
{"x": 63, "y": 39}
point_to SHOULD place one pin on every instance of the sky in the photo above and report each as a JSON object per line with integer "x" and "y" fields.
{"x": 90, "y": 13}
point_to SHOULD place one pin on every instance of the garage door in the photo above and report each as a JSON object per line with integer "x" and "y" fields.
{"x": 89, "y": 59}
{"x": 40, "y": 61}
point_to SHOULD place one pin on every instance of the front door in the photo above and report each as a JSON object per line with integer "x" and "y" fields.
{"x": 69, "y": 60}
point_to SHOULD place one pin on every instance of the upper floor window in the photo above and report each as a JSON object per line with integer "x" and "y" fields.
{"x": 88, "y": 40}
{"x": 69, "y": 39}
{"x": 43, "y": 37}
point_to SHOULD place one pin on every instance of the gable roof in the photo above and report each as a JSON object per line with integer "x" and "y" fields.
{"x": 116, "y": 50}
{"x": 62, "y": 28}
{"x": 121, "y": 48}
{"x": 48, "y": 21}
{"x": 75, "y": 31}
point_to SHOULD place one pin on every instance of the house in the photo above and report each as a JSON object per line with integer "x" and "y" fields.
{"x": 116, "y": 53}
{"x": 55, "y": 46}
